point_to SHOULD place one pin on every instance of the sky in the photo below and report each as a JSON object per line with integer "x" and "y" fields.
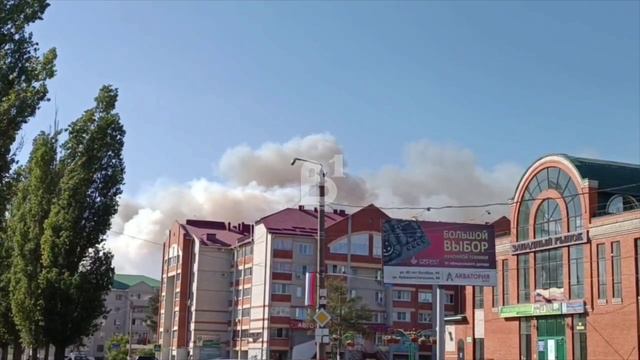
{"x": 212, "y": 91}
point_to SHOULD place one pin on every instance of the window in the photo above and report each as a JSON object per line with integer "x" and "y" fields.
{"x": 478, "y": 348}
{"x": 402, "y": 295}
{"x": 424, "y": 317}
{"x": 424, "y": 297}
{"x": 576, "y": 271}
{"x": 178, "y": 277}
{"x": 360, "y": 244}
{"x": 379, "y": 297}
{"x": 280, "y": 333}
{"x": 449, "y": 299}
{"x": 377, "y": 245}
{"x": 505, "y": 282}
{"x": 298, "y": 291}
{"x": 337, "y": 269}
{"x": 525, "y": 338}
{"x": 524, "y": 286}
{"x": 550, "y": 178}
{"x": 354, "y": 271}
{"x": 377, "y": 318}
{"x": 402, "y": 316}
{"x": 305, "y": 249}
{"x": 245, "y": 313}
{"x": 494, "y": 296}
{"x": 246, "y": 293}
{"x": 300, "y": 313}
{"x": 549, "y": 269}
{"x": 281, "y": 244}
{"x": 118, "y": 298}
{"x": 281, "y": 267}
{"x": 247, "y": 272}
{"x": 602, "y": 272}
{"x": 378, "y": 275}
{"x": 478, "y": 297}
{"x": 353, "y": 293}
{"x": 248, "y": 250}
{"x": 100, "y": 348}
{"x": 279, "y": 288}
{"x": 579, "y": 337}
{"x": 616, "y": 265}
{"x": 280, "y": 311}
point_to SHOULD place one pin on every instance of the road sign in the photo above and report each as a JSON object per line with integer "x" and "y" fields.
{"x": 115, "y": 347}
{"x": 322, "y": 317}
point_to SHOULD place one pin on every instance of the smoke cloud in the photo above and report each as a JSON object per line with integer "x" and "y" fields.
{"x": 256, "y": 182}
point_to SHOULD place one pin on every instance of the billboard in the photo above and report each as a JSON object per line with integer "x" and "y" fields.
{"x": 438, "y": 253}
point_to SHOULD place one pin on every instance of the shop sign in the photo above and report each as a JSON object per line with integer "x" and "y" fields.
{"x": 578, "y": 237}
{"x": 547, "y": 309}
{"x": 293, "y": 324}
{"x": 573, "y": 307}
{"x": 542, "y": 309}
{"x": 516, "y": 310}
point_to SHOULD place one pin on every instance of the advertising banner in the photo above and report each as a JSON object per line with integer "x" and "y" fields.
{"x": 542, "y": 309}
{"x": 438, "y": 253}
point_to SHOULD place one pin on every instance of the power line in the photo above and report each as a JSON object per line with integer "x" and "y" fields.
{"x": 485, "y": 205}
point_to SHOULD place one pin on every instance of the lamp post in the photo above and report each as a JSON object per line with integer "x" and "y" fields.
{"x": 320, "y": 349}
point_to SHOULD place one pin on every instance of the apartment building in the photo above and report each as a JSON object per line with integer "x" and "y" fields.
{"x": 568, "y": 268}
{"x": 269, "y": 311}
{"x": 196, "y": 292}
{"x": 128, "y": 306}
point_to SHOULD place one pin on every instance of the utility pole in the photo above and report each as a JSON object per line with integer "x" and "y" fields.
{"x": 130, "y": 327}
{"x": 321, "y": 292}
{"x": 320, "y": 350}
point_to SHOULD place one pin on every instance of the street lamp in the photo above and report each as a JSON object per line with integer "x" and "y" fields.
{"x": 320, "y": 349}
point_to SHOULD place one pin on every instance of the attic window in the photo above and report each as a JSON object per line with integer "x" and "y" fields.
{"x": 620, "y": 203}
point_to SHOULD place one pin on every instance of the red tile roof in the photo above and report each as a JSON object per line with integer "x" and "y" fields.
{"x": 216, "y": 233}
{"x": 297, "y": 221}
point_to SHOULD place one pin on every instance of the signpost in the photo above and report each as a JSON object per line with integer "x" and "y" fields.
{"x": 438, "y": 253}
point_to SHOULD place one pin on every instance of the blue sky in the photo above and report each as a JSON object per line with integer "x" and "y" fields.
{"x": 508, "y": 80}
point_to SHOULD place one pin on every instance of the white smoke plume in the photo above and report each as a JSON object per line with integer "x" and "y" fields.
{"x": 259, "y": 181}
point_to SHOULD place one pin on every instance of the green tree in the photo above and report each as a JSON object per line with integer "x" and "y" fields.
{"x": 29, "y": 211}
{"x": 152, "y": 312}
{"x": 9, "y": 334}
{"x": 77, "y": 271}
{"x": 23, "y": 76}
{"x": 119, "y": 351}
{"x": 146, "y": 352}
{"x": 348, "y": 314}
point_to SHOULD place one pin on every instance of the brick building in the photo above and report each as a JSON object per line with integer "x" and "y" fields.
{"x": 568, "y": 268}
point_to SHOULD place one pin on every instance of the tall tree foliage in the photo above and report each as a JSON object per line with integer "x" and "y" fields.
{"x": 23, "y": 73}
{"x": 23, "y": 76}
{"x": 9, "y": 334}
{"x": 29, "y": 211}
{"x": 152, "y": 312}
{"x": 77, "y": 271}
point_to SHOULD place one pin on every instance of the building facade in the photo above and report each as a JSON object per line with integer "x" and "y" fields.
{"x": 195, "y": 297}
{"x": 128, "y": 306}
{"x": 568, "y": 268}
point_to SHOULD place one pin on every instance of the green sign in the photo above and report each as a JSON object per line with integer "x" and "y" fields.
{"x": 156, "y": 348}
{"x": 538, "y": 309}
{"x": 516, "y": 310}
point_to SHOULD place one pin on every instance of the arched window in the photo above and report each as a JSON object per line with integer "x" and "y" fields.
{"x": 550, "y": 178}
{"x": 548, "y": 219}
{"x": 620, "y": 203}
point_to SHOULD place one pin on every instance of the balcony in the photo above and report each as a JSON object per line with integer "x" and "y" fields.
{"x": 282, "y": 254}
{"x": 281, "y": 276}
{"x": 281, "y": 297}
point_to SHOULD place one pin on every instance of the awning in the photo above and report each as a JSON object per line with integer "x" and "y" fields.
{"x": 304, "y": 351}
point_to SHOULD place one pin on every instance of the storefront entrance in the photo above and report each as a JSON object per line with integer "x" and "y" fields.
{"x": 552, "y": 342}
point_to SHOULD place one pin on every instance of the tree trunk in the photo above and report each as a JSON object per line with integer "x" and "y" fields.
{"x": 5, "y": 352}
{"x": 46, "y": 352}
{"x": 17, "y": 351}
{"x": 58, "y": 353}
{"x": 34, "y": 352}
